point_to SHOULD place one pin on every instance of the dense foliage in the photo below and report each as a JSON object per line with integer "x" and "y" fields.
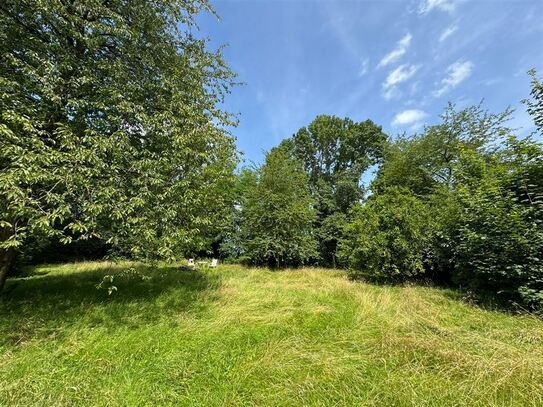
{"x": 335, "y": 153}
{"x": 499, "y": 236}
{"x": 388, "y": 237}
{"x": 461, "y": 202}
{"x": 109, "y": 126}
{"x": 277, "y": 217}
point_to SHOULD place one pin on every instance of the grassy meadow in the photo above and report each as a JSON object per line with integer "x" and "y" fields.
{"x": 235, "y": 336}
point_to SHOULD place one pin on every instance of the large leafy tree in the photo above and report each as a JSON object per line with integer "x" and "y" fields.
{"x": 232, "y": 240}
{"x": 109, "y": 125}
{"x": 428, "y": 161}
{"x": 278, "y": 214}
{"x": 335, "y": 153}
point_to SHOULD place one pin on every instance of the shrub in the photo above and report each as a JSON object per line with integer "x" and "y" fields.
{"x": 500, "y": 234}
{"x": 389, "y": 238}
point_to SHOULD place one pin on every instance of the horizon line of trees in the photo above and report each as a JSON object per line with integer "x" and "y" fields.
{"x": 460, "y": 203}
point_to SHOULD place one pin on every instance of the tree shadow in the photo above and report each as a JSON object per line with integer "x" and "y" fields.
{"x": 489, "y": 301}
{"x": 45, "y": 305}
{"x": 484, "y": 300}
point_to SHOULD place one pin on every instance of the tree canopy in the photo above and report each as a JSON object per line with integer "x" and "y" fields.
{"x": 110, "y": 126}
{"x": 278, "y": 214}
{"x": 335, "y": 153}
{"x": 462, "y": 203}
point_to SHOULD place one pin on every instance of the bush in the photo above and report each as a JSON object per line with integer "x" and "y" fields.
{"x": 499, "y": 246}
{"x": 278, "y": 214}
{"x": 389, "y": 238}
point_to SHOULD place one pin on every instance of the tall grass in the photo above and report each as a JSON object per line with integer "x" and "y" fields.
{"x": 236, "y": 336}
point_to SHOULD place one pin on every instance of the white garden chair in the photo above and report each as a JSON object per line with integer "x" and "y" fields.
{"x": 191, "y": 263}
{"x": 214, "y": 263}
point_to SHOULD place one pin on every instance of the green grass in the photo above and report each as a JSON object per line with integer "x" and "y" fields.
{"x": 235, "y": 336}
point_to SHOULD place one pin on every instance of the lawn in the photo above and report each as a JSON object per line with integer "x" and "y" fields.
{"x": 234, "y": 336}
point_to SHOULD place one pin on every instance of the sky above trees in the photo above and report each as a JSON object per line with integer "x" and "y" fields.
{"x": 396, "y": 62}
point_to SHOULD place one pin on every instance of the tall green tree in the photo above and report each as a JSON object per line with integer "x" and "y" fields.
{"x": 278, "y": 214}
{"x": 535, "y": 103}
{"x": 335, "y": 153}
{"x": 109, "y": 126}
{"x": 232, "y": 242}
{"x": 428, "y": 161}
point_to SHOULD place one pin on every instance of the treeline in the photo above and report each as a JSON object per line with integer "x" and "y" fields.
{"x": 291, "y": 210}
{"x": 460, "y": 203}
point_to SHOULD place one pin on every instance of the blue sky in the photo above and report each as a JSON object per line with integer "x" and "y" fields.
{"x": 395, "y": 62}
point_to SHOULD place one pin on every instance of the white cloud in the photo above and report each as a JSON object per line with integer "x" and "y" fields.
{"x": 400, "y": 74}
{"x": 410, "y": 116}
{"x": 396, "y": 53}
{"x": 444, "y": 5}
{"x": 491, "y": 81}
{"x": 456, "y": 73}
{"x": 364, "y": 67}
{"x": 447, "y": 32}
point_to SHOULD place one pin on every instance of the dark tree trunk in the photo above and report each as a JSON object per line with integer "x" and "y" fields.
{"x": 7, "y": 258}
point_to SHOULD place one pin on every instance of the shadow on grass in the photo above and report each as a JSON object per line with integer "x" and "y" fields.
{"x": 47, "y": 305}
{"x": 490, "y": 302}
{"x": 484, "y": 300}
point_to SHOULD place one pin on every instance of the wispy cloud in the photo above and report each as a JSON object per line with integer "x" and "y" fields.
{"x": 456, "y": 73}
{"x": 364, "y": 67}
{"x": 396, "y": 53}
{"x": 447, "y": 32}
{"x": 444, "y": 5}
{"x": 410, "y": 116}
{"x": 400, "y": 74}
{"x": 391, "y": 93}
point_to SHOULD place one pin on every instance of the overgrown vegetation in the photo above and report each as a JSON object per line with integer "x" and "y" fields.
{"x": 388, "y": 238}
{"x": 462, "y": 202}
{"x": 240, "y": 336}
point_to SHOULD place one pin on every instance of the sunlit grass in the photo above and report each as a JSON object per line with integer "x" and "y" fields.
{"x": 236, "y": 336}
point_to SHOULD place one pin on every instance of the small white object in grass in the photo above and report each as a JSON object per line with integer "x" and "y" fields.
{"x": 191, "y": 263}
{"x": 214, "y": 263}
